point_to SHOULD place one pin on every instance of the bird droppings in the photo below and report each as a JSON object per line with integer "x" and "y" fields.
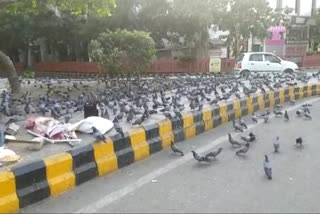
{"x": 291, "y": 179}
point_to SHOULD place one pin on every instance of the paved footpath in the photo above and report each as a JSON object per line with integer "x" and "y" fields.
{"x": 168, "y": 183}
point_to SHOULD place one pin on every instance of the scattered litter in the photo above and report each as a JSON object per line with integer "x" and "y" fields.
{"x": 49, "y": 127}
{"x": 12, "y": 129}
{"x": 154, "y": 181}
{"x": 85, "y": 126}
{"x": 7, "y": 156}
{"x": 10, "y": 137}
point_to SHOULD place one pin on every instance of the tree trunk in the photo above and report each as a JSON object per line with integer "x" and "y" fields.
{"x": 8, "y": 67}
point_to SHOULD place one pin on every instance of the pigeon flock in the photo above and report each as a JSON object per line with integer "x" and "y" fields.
{"x": 243, "y": 145}
{"x": 129, "y": 101}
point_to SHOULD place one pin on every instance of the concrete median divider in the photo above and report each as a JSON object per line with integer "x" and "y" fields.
{"x": 32, "y": 182}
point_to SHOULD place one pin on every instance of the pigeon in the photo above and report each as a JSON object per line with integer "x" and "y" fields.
{"x": 278, "y": 113}
{"x": 267, "y": 167}
{"x": 306, "y": 109}
{"x": 139, "y": 121}
{"x": 254, "y": 118}
{"x": 307, "y": 115}
{"x": 307, "y": 105}
{"x": 243, "y": 150}
{"x": 237, "y": 127}
{"x": 199, "y": 158}
{"x": 286, "y": 116}
{"x": 97, "y": 134}
{"x": 175, "y": 149}
{"x": 250, "y": 138}
{"x": 299, "y": 141}
{"x": 276, "y": 144}
{"x": 214, "y": 154}
{"x": 118, "y": 128}
{"x": 233, "y": 142}
{"x": 67, "y": 117}
{"x": 242, "y": 123}
{"x": 2, "y": 136}
{"x": 299, "y": 113}
{"x": 266, "y": 118}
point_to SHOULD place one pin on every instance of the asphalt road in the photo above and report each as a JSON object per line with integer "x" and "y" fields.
{"x": 168, "y": 183}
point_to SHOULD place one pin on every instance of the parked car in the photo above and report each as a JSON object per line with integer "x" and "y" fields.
{"x": 263, "y": 62}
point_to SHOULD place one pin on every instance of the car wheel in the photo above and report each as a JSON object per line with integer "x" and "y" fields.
{"x": 288, "y": 71}
{"x": 245, "y": 74}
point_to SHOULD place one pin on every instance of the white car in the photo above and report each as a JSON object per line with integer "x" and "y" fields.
{"x": 263, "y": 62}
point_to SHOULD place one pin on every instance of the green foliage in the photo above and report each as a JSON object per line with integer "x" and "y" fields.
{"x": 112, "y": 49}
{"x": 316, "y": 30}
{"x": 187, "y": 58}
{"x": 75, "y": 7}
{"x": 243, "y": 18}
{"x": 29, "y": 74}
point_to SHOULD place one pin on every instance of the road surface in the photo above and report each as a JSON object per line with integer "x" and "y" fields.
{"x": 168, "y": 183}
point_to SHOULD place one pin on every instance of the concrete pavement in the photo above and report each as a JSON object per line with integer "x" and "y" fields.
{"x": 167, "y": 183}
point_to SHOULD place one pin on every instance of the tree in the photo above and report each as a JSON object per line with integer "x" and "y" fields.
{"x": 243, "y": 19}
{"x": 37, "y": 7}
{"x": 113, "y": 49}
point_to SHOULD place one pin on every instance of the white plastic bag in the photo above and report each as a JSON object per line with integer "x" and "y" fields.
{"x": 85, "y": 126}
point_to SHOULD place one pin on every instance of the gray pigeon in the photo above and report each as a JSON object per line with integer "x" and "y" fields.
{"x": 243, "y": 150}
{"x": 267, "y": 167}
{"x": 233, "y": 142}
{"x": 286, "y": 116}
{"x": 276, "y": 144}
{"x": 175, "y": 149}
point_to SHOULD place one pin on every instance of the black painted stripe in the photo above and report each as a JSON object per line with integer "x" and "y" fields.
{"x": 200, "y": 127}
{"x": 305, "y": 91}
{"x": 296, "y": 92}
{"x": 31, "y": 182}
{"x": 123, "y": 150}
{"x": 314, "y": 90}
{"x": 230, "y": 111}
{"x": 84, "y": 165}
{"x": 244, "y": 108}
{"x": 177, "y": 129}
{"x": 216, "y": 116}
{"x": 276, "y": 97}
{"x": 153, "y": 138}
{"x": 286, "y": 95}
{"x": 197, "y": 116}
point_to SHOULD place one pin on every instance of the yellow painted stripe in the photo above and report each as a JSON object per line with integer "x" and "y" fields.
{"x": 301, "y": 92}
{"x": 207, "y": 118}
{"x": 105, "y": 157}
{"x": 208, "y": 125}
{"x": 237, "y": 109}
{"x": 139, "y": 143}
{"x": 223, "y": 113}
{"x": 261, "y": 102}
{"x": 281, "y": 95}
{"x": 249, "y": 105}
{"x": 60, "y": 175}
{"x": 188, "y": 125}
{"x": 206, "y": 114}
{"x": 291, "y": 93}
{"x": 309, "y": 90}
{"x": 165, "y": 133}
{"x": 9, "y": 201}
{"x": 271, "y": 99}
{"x": 187, "y": 120}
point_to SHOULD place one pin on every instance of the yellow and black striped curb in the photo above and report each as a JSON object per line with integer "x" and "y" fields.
{"x": 35, "y": 181}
